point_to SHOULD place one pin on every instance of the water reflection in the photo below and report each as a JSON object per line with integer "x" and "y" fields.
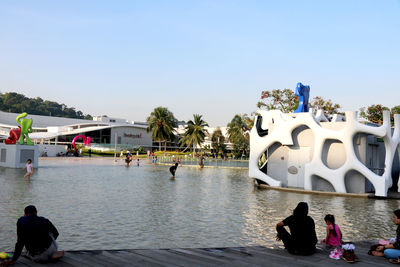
{"x": 97, "y": 204}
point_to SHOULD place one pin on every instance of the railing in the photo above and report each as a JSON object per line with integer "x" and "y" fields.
{"x": 208, "y": 162}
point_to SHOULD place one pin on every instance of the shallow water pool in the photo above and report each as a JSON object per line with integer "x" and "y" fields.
{"x": 99, "y": 204}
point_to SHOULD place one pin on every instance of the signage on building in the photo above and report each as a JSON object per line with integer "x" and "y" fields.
{"x": 133, "y": 135}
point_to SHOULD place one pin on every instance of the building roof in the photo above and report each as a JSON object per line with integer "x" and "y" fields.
{"x": 40, "y": 121}
{"x": 51, "y": 127}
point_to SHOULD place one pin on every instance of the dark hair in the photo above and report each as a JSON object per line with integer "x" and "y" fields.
{"x": 331, "y": 218}
{"x": 373, "y": 248}
{"x": 29, "y": 160}
{"x": 30, "y": 210}
{"x": 397, "y": 213}
{"x": 301, "y": 210}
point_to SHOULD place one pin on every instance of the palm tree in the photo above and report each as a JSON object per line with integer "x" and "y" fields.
{"x": 161, "y": 123}
{"x": 218, "y": 140}
{"x": 237, "y": 133}
{"x": 194, "y": 132}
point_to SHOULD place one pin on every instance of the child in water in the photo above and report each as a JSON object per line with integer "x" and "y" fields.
{"x": 29, "y": 169}
{"x": 172, "y": 169}
{"x": 128, "y": 160}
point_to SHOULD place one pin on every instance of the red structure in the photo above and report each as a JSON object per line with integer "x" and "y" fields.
{"x": 14, "y": 136}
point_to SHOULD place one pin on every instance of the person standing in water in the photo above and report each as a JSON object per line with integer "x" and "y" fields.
{"x": 128, "y": 160}
{"x": 29, "y": 169}
{"x": 201, "y": 161}
{"x": 172, "y": 169}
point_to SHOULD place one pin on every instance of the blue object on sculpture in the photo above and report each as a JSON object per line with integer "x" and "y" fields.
{"x": 303, "y": 92}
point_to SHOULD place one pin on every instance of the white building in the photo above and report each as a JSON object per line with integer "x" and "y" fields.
{"x": 105, "y": 132}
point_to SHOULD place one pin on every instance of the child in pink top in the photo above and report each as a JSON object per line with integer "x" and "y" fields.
{"x": 333, "y": 233}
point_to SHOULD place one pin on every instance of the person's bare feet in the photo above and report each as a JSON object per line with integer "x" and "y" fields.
{"x": 57, "y": 255}
{"x": 378, "y": 253}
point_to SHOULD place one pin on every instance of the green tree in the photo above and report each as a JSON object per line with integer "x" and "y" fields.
{"x": 18, "y": 103}
{"x": 218, "y": 141}
{"x": 284, "y": 100}
{"x": 329, "y": 108}
{"x": 238, "y": 134}
{"x": 394, "y": 110}
{"x": 162, "y": 123}
{"x": 195, "y": 132}
{"x": 373, "y": 113}
{"x": 287, "y": 101}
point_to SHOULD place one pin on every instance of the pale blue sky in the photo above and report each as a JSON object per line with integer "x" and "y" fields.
{"x": 123, "y": 58}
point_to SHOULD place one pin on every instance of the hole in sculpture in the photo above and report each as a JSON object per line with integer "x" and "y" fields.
{"x": 333, "y": 154}
{"x": 302, "y": 136}
{"x": 395, "y": 172}
{"x": 271, "y": 162}
{"x": 355, "y": 182}
{"x": 320, "y": 184}
{"x": 261, "y": 132}
{"x": 370, "y": 151}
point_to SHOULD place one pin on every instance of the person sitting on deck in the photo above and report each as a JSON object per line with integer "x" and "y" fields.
{"x": 391, "y": 251}
{"x": 38, "y": 236}
{"x": 302, "y": 238}
{"x": 333, "y": 233}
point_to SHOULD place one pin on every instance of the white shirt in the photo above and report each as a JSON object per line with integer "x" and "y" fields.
{"x": 29, "y": 167}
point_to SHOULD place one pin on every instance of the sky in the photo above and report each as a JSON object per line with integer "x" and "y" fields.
{"x": 208, "y": 57}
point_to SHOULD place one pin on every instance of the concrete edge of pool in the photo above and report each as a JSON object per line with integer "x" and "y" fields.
{"x": 227, "y": 256}
{"x": 391, "y": 195}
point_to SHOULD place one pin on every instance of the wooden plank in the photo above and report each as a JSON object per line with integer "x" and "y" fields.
{"x": 24, "y": 261}
{"x": 85, "y": 259}
{"x": 149, "y": 259}
{"x": 207, "y": 258}
{"x": 131, "y": 259}
{"x": 106, "y": 261}
{"x": 71, "y": 259}
{"x": 231, "y": 258}
{"x": 319, "y": 258}
{"x": 178, "y": 256}
{"x": 168, "y": 258}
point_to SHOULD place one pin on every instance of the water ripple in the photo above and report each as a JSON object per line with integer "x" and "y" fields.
{"x": 96, "y": 204}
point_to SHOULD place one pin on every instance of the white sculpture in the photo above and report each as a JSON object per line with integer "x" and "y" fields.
{"x": 277, "y": 127}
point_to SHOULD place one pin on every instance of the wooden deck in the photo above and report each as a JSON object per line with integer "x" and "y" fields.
{"x": 234, "y": 256}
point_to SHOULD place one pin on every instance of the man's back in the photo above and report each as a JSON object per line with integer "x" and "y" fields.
{"x": 33, "y": 232}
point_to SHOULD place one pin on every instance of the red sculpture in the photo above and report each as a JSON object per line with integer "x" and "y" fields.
{"x": 14, "y": 136}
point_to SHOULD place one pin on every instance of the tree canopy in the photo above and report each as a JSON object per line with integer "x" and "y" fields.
{"x": 218, "y": 140}
{"x": 286, "y": 101}
{"x": 238, "y": 134}
{"x": 329, "y": 108}
{"x": 162, "y": 123}
{"x": 374, "y": 113}
{"x": 195, "y": 132}
{"x": 18, "y": 103}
